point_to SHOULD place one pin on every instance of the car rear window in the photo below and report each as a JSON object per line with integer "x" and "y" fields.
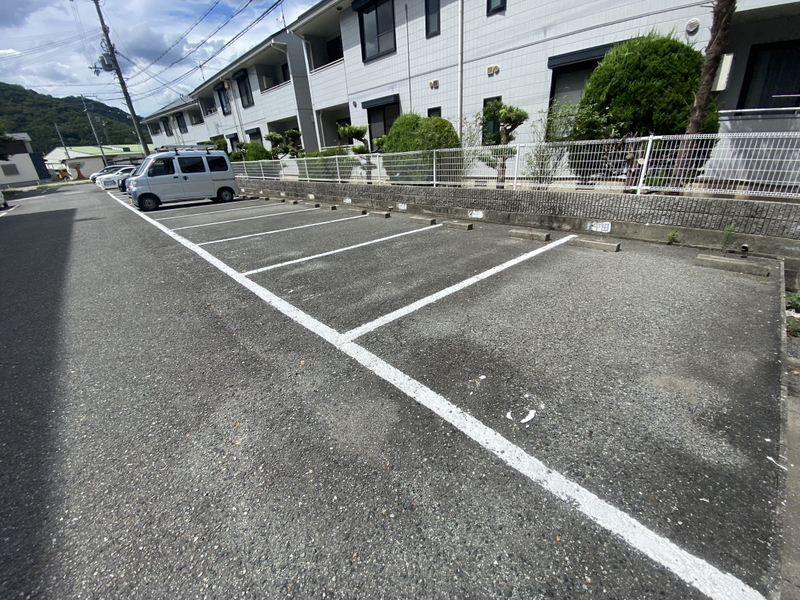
{"x": 217, "y": 163}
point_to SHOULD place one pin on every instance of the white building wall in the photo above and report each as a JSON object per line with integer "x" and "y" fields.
{"x": 26, "y": 171}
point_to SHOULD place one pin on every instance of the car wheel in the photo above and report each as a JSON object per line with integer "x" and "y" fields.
{"x": 225, "y": 195}
{"x": 147, "y": 203}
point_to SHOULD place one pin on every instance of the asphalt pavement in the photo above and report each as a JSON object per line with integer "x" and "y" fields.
{"x": 260, "y": 399}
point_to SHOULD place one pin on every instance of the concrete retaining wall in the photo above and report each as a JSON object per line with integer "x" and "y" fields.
{"x": 769, "y": 228}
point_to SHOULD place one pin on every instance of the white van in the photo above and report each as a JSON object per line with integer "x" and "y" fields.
{"x": 176, "y": 173}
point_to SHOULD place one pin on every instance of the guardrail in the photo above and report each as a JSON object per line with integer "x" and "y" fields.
{"x": 751, "y": 164}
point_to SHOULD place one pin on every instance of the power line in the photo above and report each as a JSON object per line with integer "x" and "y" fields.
{"x": 175, "y": 43}
{"x": 203, "y": 41}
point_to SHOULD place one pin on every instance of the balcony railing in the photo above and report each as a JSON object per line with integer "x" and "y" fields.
{"x": 750, "y": 164}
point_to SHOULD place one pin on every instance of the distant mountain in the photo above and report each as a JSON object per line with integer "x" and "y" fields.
{"x": 26, "y": 111}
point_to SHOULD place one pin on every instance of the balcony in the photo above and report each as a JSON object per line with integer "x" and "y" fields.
{"x": 327, "y": 84}
{"x": 280, "y": 99}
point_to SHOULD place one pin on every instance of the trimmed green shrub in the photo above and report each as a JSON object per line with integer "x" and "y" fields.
{"x": 642, "y": 86}
{"x": 413, "y": 133}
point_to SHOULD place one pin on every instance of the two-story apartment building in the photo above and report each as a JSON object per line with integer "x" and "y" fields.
{"x": 263, "y": 91}
{"x": 365, "y": 62}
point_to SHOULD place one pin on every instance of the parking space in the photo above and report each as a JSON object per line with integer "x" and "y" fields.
{"x": 639, "y": 389}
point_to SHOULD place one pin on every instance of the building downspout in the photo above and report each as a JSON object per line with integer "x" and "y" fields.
{"x": 460, "y": 68}
{"x": 320, "y": 137}
{"x": 408, "y": 62}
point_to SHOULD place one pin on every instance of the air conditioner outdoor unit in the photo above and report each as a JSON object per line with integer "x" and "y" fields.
{"x": 492, "y": 70}
{"x": 434, "y": 84}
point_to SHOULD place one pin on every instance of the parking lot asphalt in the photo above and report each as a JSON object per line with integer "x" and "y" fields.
{"x": 278, "y": 400}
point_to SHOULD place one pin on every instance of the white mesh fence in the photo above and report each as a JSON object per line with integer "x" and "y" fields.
{"x": 754, "y": 164}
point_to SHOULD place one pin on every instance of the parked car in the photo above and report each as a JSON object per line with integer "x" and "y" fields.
{"x": 107, "y": 171}
{"x": 177, "y": 174}
{"x": 112, "y": 180}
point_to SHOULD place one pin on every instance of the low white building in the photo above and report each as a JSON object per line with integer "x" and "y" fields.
{"x": 82, "y": 161}
{"x": 23, "y": 167}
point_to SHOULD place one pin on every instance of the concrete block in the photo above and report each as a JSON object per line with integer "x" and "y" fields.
{"x": 737, "y": 264}
{"x": 380, "y": 214}
{"x": 314, "y": 204}
{"x": 595, "y": 244}
{"x": 424, "y": 220}
{"x": 358, "y": 211}
{"x": 328, "y": 206}
{"x": 527, "y": 234}
{"x": 458, "y": 225}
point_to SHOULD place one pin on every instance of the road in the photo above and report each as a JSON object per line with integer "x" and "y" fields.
{"x": 265, "y": 399}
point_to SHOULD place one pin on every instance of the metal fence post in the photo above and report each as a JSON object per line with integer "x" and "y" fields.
{"x": 644, "y": 165}
{"x": 434, "y": 168}
{"x": 516, "y": 166}
{"x": 261, "y": 164}
{"x": 378, "y": 163}
{"x": 338, "y": 174}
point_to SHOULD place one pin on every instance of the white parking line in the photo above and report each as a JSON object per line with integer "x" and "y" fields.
{"x": 401, "y": 312}
{"x": 299, "y": 260}
{"x": 5, "y": 212}
{"x": 288, "y": 212}
{"x": 210, "y": 212}
{"x": 241, "y": 237}
{"x": 693, "y": 570}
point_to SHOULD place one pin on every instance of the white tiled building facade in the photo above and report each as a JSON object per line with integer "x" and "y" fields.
{"x": 367, "y": 61}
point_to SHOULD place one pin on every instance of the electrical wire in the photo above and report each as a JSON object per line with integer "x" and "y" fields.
{"x": 175, "y": 43}
{"x": 76, "y": 15}
{"x": 200, "y": 44}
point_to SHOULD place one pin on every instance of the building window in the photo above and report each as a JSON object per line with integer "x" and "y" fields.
{"x": 435, "y": 112}
{"x": 377, "y": 28}
{"x": 381, "y": 119}
{"x": 772, "y": 79}
{"x": 495, "y": 6}
{"x": 254, "y": 135}
{"x": 224, "y": 104}
{"x": 166, "y": 126}
{"x": 334, "y": 50}
{"x": 245, "y": 93}
{"x": 233, "y": 139}
{"x": 490, "y": 128}
{"x": 181, "y": 123}
{"x": 432, "y": 20}
{"x": 9, "y": 170}
{"x": 154, "y": 128}
{"x": 285, "y": 72}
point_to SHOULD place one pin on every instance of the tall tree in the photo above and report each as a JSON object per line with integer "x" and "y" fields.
{"x": 720, "y": 27}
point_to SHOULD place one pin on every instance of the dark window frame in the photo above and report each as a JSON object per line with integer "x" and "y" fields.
{"x": 224, "y": 102}
{"x": 374, "y": 6}
{"x": 430, "y": 30}
{"x": 755, "y": 50}
{"x": 499, "y": 6}
{"x": 436, "y": 111}
{"x": 374, "y": 109}
{"x": 180, "y": 121}
{"x": 246, "y": 94}
{"x": 166, "y": 126}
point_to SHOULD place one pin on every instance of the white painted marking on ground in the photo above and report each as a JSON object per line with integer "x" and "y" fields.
{"x": 509, "y": 416}
{"x": 777, "y": 464}
{"x": 8, "y": 210}
{"x": 289, "y": 212}
{"x": 241, "y": 237}
{"x": 693, "y": 570}
{"x": 212, "y": 212}
{"x": 529, "y": 417}
{"x": 402, "y": 312}
{"x": 71, "y": 193}
{"x": 361, "y": 245}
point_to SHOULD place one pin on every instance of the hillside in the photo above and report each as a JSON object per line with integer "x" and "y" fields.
{"x": 26, "y": 111}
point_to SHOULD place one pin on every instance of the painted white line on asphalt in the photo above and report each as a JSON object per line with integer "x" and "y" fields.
{"x": 693, "y": 570}
{"x": 211, "y": 212}
{"x": 241, "y": 237}
{"x": 8, "y": 210}
{"x": 299, "y": 260}
{"x": 288, "y": 212}
{"x": 72, "y": 193}
{"x": 402, "y": 312}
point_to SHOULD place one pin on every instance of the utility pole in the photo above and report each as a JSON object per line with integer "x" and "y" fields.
{"x": 115, "y": 64}
{"x": 96, "y": 139}
{"x": 62, "y": 141}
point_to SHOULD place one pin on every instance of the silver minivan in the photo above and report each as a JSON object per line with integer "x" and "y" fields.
{"x": 174, "y": 175}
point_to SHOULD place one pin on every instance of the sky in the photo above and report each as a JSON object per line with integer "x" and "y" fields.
{"x": 49, "y": 45}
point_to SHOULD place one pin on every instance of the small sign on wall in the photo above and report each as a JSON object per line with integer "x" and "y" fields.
{"x": 599, "y": 226}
